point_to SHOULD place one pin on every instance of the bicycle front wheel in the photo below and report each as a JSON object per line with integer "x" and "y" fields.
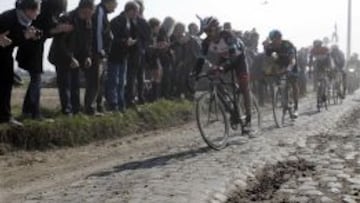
{"x": 212, "y": 121}
{"x": 256, "y": 119}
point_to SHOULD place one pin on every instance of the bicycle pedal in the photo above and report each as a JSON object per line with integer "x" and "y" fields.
{"x": 234, "y": 127}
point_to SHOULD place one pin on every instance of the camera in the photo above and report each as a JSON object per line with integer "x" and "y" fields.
{"x": 39, "y": 33}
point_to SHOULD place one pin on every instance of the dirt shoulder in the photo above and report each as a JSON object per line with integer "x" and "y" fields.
{"x": 25, "y": 172}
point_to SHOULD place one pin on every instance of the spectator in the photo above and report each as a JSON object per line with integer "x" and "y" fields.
{"x": 153, "y": 60}
{"x": 166, "y": 60}
{"x": 15, "y": 28}
{"x": 70, "y": 52}
{"x": 193, "y": 29}
{"x": 102, "y": 38}
{"x": 192, "y": 53}
{"x": 30, "y": 53}
{"x": 136, "y": 66}
{"x": 178, "y": 41}
{"x": 124, "y": 41}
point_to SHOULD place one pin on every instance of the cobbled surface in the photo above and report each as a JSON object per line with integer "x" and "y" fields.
{"x": 326, "y": 142}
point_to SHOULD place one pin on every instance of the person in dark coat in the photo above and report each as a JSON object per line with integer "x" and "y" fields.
{"x": 178, "y": 75}
{"x": 71, "y": 52}
{"x": 102, "y": 38}
{"x": 136, "y": 59}
{"x": 30, "y": 54}
{"x": 124, "y": 41}
{"x": 166, "y": 57}
{"x": 15, "y": 28}
{"x": 153, "y": 58}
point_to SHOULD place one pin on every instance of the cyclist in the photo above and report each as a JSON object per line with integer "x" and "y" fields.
{"x": 226, "y": 51}
{"x": 320, "y": 61}
{"x": 285, "y": 56}
{"x": 338, "y": 57}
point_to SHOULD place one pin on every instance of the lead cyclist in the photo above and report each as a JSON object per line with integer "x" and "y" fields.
{"x": 227, "y": 52}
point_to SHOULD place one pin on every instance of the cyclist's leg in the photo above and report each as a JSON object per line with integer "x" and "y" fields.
{"x": 344, "y": 82}
{"x": 245, "y": 91}
{"x": 243, "y": 82}
{"x": 295, "y": 87}
{"x": 243, "y": 78}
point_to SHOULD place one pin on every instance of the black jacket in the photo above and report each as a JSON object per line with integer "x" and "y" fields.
{"x": 144, "y": 34}
{"x": 121, "y": 32}
{"x": 75, "y": 44}
{"x": 30, "y": 54}
{"x": 9, "y": 22}
{"x": 165, "y": 55}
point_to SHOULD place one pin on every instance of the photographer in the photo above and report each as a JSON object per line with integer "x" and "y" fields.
{"x": 30, "y": 54}
{"x": 15, "y": 28}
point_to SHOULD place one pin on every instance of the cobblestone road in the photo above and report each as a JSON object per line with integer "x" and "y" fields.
{"x": 190, "y": 172}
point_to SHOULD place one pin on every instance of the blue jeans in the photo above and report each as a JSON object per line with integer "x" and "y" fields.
{"x": 68, "y": 81}
{"x": 31, "y": 104}
{"x": 115, "y": 86}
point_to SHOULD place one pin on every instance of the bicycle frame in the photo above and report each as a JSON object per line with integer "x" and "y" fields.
{"x": 217, "y": 88}
{"x": 322, "y": 88}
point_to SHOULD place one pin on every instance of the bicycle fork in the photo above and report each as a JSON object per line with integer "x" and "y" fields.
{"x": 231, "y": 107}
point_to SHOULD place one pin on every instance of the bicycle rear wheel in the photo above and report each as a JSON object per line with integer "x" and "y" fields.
{"x": 340, "y": 89}
{"x": 322, "y": 96}
{"x": 212, "y": 121}
{"x": 277, "y": 106}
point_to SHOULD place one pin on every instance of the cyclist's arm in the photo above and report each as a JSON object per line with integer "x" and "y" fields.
{"x": 268, "y": 49}
{"x": 236, "y": 54}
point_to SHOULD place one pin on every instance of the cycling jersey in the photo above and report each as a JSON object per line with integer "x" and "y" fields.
{"x": 320, "y": 58}
{"x": 338, "y": 58}
{"x": 227, "y": 51}
{"x": 286, "y": 52}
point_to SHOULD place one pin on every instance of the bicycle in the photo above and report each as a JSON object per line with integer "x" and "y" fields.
{"x": 282, "y": 98}
{"x": 213, "y": 107}
{"x": 281, "y": 92}
{"x": 323, "y": 82}
{"x": 338, "y": 87}
{"x": 322, "y": 91}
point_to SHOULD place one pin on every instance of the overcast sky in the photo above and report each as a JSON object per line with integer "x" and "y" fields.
{"x": 301, "y": 21}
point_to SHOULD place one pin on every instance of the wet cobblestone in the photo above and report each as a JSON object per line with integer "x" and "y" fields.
{"x": 201, "y": 175}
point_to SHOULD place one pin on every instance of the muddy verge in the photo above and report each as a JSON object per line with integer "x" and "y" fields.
{"x": 264, "y": 187}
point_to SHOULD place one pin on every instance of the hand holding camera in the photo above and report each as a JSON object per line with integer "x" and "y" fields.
{"x": 33, "y": 33}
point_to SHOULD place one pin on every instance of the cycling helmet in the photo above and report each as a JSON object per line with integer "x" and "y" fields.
{"x": 275, "y": 34}
{"x": 209, "y": 22}
{"x": 27, "y": 4}
{"x": 317, "y": 43}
